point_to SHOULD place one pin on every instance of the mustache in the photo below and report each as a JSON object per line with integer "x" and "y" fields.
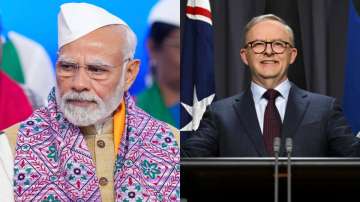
{"x": 83, "y": 96}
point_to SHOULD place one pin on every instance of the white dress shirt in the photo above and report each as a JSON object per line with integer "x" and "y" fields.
{"x": 260, "y": 102}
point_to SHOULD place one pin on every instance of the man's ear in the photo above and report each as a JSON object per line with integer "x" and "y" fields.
{"x": 131, "y": 72}
{"x": 243, "y": 56}
{"x": 293, "y": 55}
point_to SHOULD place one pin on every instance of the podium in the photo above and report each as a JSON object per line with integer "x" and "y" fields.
{"x": 252, "y": 179}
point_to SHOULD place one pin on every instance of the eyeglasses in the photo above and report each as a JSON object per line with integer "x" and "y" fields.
{"x": 68, "y": 69}
{"x": 277, "y": 46}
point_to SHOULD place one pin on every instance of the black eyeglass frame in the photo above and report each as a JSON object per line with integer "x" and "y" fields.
{"x": 250, "y": 44}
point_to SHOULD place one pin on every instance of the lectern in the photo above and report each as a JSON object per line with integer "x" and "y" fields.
{"x": 252, "y": 179}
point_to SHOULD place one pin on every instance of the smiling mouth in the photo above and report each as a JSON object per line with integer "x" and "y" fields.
{"x": 269, "y": 62}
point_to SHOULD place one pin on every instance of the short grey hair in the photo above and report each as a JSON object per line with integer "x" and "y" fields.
{"x": 266, "y": 17}
{"x": 131, "y": 39}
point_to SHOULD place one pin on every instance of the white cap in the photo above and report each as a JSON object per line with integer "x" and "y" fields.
{"x": 78, "y": 19}
{"x": 165, "y": 11}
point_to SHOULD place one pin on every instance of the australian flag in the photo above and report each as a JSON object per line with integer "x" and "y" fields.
{"x": 352, "y": 72}
{"x": 197, "y": 65}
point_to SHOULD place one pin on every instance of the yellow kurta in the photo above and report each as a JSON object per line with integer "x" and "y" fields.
{"x": 100, "y": 143}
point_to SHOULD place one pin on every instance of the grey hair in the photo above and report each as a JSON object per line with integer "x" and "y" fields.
{"x": 265, "y": 17}
{"x": 131, "y": 39}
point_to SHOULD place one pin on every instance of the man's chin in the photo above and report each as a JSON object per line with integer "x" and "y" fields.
{"x": 79, "y": 121}
{"x": 82, "y": 116}
{"x": 272, "y": 73}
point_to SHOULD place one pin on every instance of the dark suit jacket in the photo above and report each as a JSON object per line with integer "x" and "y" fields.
{"x": 230, "y": 128}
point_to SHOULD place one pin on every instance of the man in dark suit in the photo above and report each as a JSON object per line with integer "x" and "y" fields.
{"x": 244, "y": 125}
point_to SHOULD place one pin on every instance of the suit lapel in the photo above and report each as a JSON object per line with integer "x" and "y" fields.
{"x": 245, "y": 110}
{"x": 295, "y": 109}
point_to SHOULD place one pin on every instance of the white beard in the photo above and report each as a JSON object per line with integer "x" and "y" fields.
{"x": 86, "y": 116}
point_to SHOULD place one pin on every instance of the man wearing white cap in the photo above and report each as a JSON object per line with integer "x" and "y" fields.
{"x": 91, "y": 142}
{"x": 162, "y": 99}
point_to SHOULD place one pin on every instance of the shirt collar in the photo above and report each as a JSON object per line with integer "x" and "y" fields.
{"x": 283, "y": 88}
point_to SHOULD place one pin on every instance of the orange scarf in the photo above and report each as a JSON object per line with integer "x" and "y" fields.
{"x": 119, "y": 125}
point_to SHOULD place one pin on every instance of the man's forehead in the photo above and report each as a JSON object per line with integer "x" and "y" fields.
{"x": 104, "y": 46}
{"x": 66, "y": 58}
{"x": 268, "y": 29}
{"x": 268, "y": 24}
{"x": 112, "y": 35}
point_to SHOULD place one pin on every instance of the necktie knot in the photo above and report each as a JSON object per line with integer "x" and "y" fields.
{"x": 271, "y": 94}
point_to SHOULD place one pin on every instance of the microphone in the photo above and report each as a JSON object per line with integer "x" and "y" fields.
{"x": 276, "y": 148}
{"x": 289, "y": 148}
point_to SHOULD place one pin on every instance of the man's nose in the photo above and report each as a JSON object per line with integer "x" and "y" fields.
{"x": 81, "y": 81}
{"x": 268, "y": 49}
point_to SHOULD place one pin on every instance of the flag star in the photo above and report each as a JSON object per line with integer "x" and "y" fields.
{"x": 196, "y": 111}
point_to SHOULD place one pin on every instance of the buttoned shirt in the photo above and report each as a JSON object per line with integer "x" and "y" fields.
{"x": 260, "y": 102}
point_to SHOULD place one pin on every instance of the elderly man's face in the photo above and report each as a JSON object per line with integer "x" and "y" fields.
{"x": 92, "y": 75}
{"x": 167, "y": 59}
{"x": 268, "y": 66}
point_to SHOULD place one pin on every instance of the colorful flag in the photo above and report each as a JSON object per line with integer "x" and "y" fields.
{"x": 352, "y": 72}
{"x": 27, "y": 62}
{"x": 197, "y": 65}
{"x": 14, "y": 105}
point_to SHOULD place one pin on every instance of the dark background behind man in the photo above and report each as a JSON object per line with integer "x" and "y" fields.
{"x": 320, "y": 29}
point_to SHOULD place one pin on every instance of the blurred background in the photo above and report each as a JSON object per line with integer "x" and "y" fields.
{"x": 37, "y": 21}
{"x": 29, "y": 45}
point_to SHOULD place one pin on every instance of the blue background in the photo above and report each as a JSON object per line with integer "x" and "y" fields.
{"x": 37, "y": 20}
